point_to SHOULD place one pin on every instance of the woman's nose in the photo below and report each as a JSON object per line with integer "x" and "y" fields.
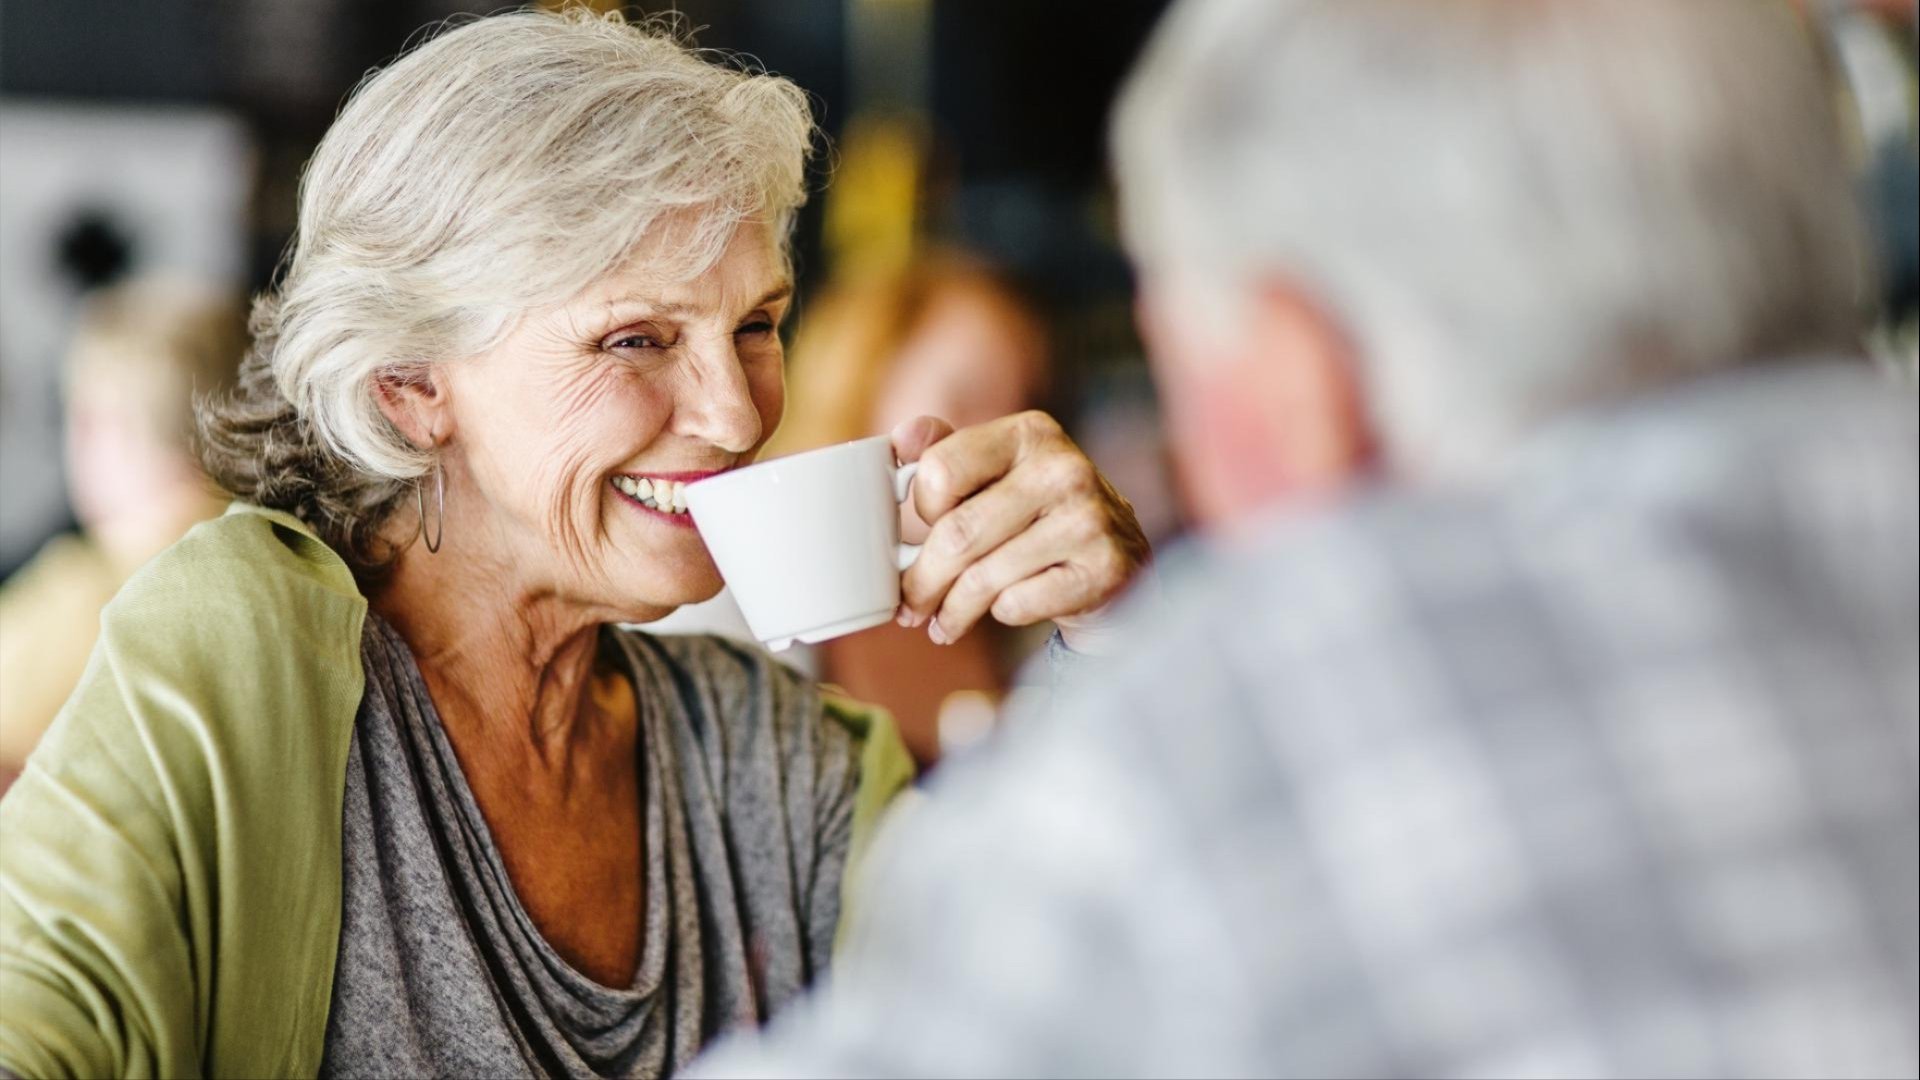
{"x": 716, "y": 402}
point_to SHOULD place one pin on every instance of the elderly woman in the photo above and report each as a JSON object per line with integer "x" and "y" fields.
{"x": 363, "y": 777}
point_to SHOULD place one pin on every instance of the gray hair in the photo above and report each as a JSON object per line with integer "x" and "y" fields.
{"x": 501, "y": 166}
{"x": 1515, "y": 207}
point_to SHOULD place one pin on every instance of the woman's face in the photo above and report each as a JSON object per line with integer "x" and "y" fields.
{"x": 637, "y": 378}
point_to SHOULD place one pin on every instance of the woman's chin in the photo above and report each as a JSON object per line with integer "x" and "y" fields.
{"x": 661, "y": 589}
{"x": 702, "y": 587}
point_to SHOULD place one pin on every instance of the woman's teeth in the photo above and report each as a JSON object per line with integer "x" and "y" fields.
{"x": 667, "y": 496}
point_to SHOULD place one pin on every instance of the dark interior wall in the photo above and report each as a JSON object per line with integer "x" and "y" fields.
{"x": 1019, "y": 90}
{"x": 154, "y": 50}
{"x": 286, "y": 65}
{"x": 1024, "y": 88}
{"x": 1021, "y": 94}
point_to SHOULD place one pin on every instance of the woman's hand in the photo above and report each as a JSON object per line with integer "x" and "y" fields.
{"x": 1022, "y": 527}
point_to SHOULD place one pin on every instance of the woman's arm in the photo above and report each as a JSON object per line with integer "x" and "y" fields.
{"x": 96, "y": 967}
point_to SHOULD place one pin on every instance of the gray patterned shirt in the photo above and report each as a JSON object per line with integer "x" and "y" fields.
{"x": 1607, "y": 769}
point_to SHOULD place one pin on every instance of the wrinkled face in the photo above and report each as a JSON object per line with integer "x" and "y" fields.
{"x": 570, "y": 439}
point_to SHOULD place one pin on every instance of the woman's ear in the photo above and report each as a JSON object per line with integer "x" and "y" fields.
{"x": 416, "y": 403}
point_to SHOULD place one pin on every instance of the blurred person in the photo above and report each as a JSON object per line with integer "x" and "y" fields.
{"x": 364, "y": 777}
{"x": 141, "y": 353}
{"x": 1548, "y": 707}
{"x": 943, "y": 336}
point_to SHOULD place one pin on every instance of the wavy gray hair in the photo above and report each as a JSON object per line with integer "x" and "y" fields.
{"x": 503, "y": 165}
{"x": 1514, "y": 207}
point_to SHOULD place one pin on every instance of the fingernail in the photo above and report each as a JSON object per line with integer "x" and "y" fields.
{"x": 903, "y": 617}
{"x": 938, "y": 635}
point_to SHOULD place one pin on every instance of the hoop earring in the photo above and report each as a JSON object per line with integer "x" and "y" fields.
{"x": 439, "y": 506}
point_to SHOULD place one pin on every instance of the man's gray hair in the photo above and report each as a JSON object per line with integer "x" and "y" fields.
{"x": 1515, "y": 207}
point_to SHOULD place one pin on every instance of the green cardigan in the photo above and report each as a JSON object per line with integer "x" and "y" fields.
{"x": 170, "y": 858}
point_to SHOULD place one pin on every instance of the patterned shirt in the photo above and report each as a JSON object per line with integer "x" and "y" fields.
{"x": 1607, "y": 768}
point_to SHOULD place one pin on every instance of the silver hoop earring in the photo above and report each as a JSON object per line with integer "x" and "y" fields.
{"x": 439, "y": 508}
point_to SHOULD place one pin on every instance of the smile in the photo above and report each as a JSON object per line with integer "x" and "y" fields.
{"x": 666, "y": 496}
{"x": 663, "y": 496}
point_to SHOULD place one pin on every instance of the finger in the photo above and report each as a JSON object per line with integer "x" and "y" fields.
{"x": 1060, "y": 590}
{"x": 956, "y": 467}
{"x": 981, "y": 583}
{"x": 912, "y": 437}
{"x": 1098, "y": 570}
{"x": 962, "y": 536}
{"x": 910, "y": 440}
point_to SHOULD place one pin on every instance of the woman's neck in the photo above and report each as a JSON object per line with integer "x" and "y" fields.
{"x": 508, "y": 664}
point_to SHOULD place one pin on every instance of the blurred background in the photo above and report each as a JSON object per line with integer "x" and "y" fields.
{"x": 963, "y": 262}
{"x": 168, "y": 135}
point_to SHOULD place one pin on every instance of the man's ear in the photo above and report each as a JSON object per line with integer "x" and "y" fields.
{"x": 1303, "y": 367}
{"x": 416, "y": 403}
{"x": 1264, "y": 397}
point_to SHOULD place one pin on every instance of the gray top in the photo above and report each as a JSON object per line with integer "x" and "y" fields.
{"x": 748, "y": 813}
{"x": 1608, "y": 769}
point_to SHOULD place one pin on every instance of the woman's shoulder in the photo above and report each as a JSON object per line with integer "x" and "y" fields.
{"x": 738, "y": 704}
{"x": 738, "y": 698}
{"x": 716, "y": 676}
{"x": 248, "y": 625}
{"x": 247, "y": 559}
{"x": 226, "y": 673}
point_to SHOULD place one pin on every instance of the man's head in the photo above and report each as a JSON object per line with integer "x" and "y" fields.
{"x": 1402, "y": 233}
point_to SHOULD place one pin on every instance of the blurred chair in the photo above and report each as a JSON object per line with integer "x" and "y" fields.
{"x": 943, "y": 336}
{"x": 141, "y": 353}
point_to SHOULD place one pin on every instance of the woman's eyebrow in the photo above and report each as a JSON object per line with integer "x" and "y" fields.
{"x": 774, "y": 295}
{"x": 623, "y": 305}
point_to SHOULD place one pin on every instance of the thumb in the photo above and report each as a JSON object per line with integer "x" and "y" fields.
{"x": 912, "y": 437}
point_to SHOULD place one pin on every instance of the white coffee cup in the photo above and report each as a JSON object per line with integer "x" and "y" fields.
{"x": 809, "y": 544}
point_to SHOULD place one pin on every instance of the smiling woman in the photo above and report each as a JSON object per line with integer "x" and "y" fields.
{"x": 644, "y": 376}
{"x": 334, "y": 799}
{"x": 522, "y": 179}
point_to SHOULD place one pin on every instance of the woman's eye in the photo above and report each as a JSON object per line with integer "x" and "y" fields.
{"x": 756, "y": 328}
{"x": 636, "y": 341}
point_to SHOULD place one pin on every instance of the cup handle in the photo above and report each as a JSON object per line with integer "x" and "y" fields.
{"x": 903, "y": 480}
{"x": 904, "y": 554}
